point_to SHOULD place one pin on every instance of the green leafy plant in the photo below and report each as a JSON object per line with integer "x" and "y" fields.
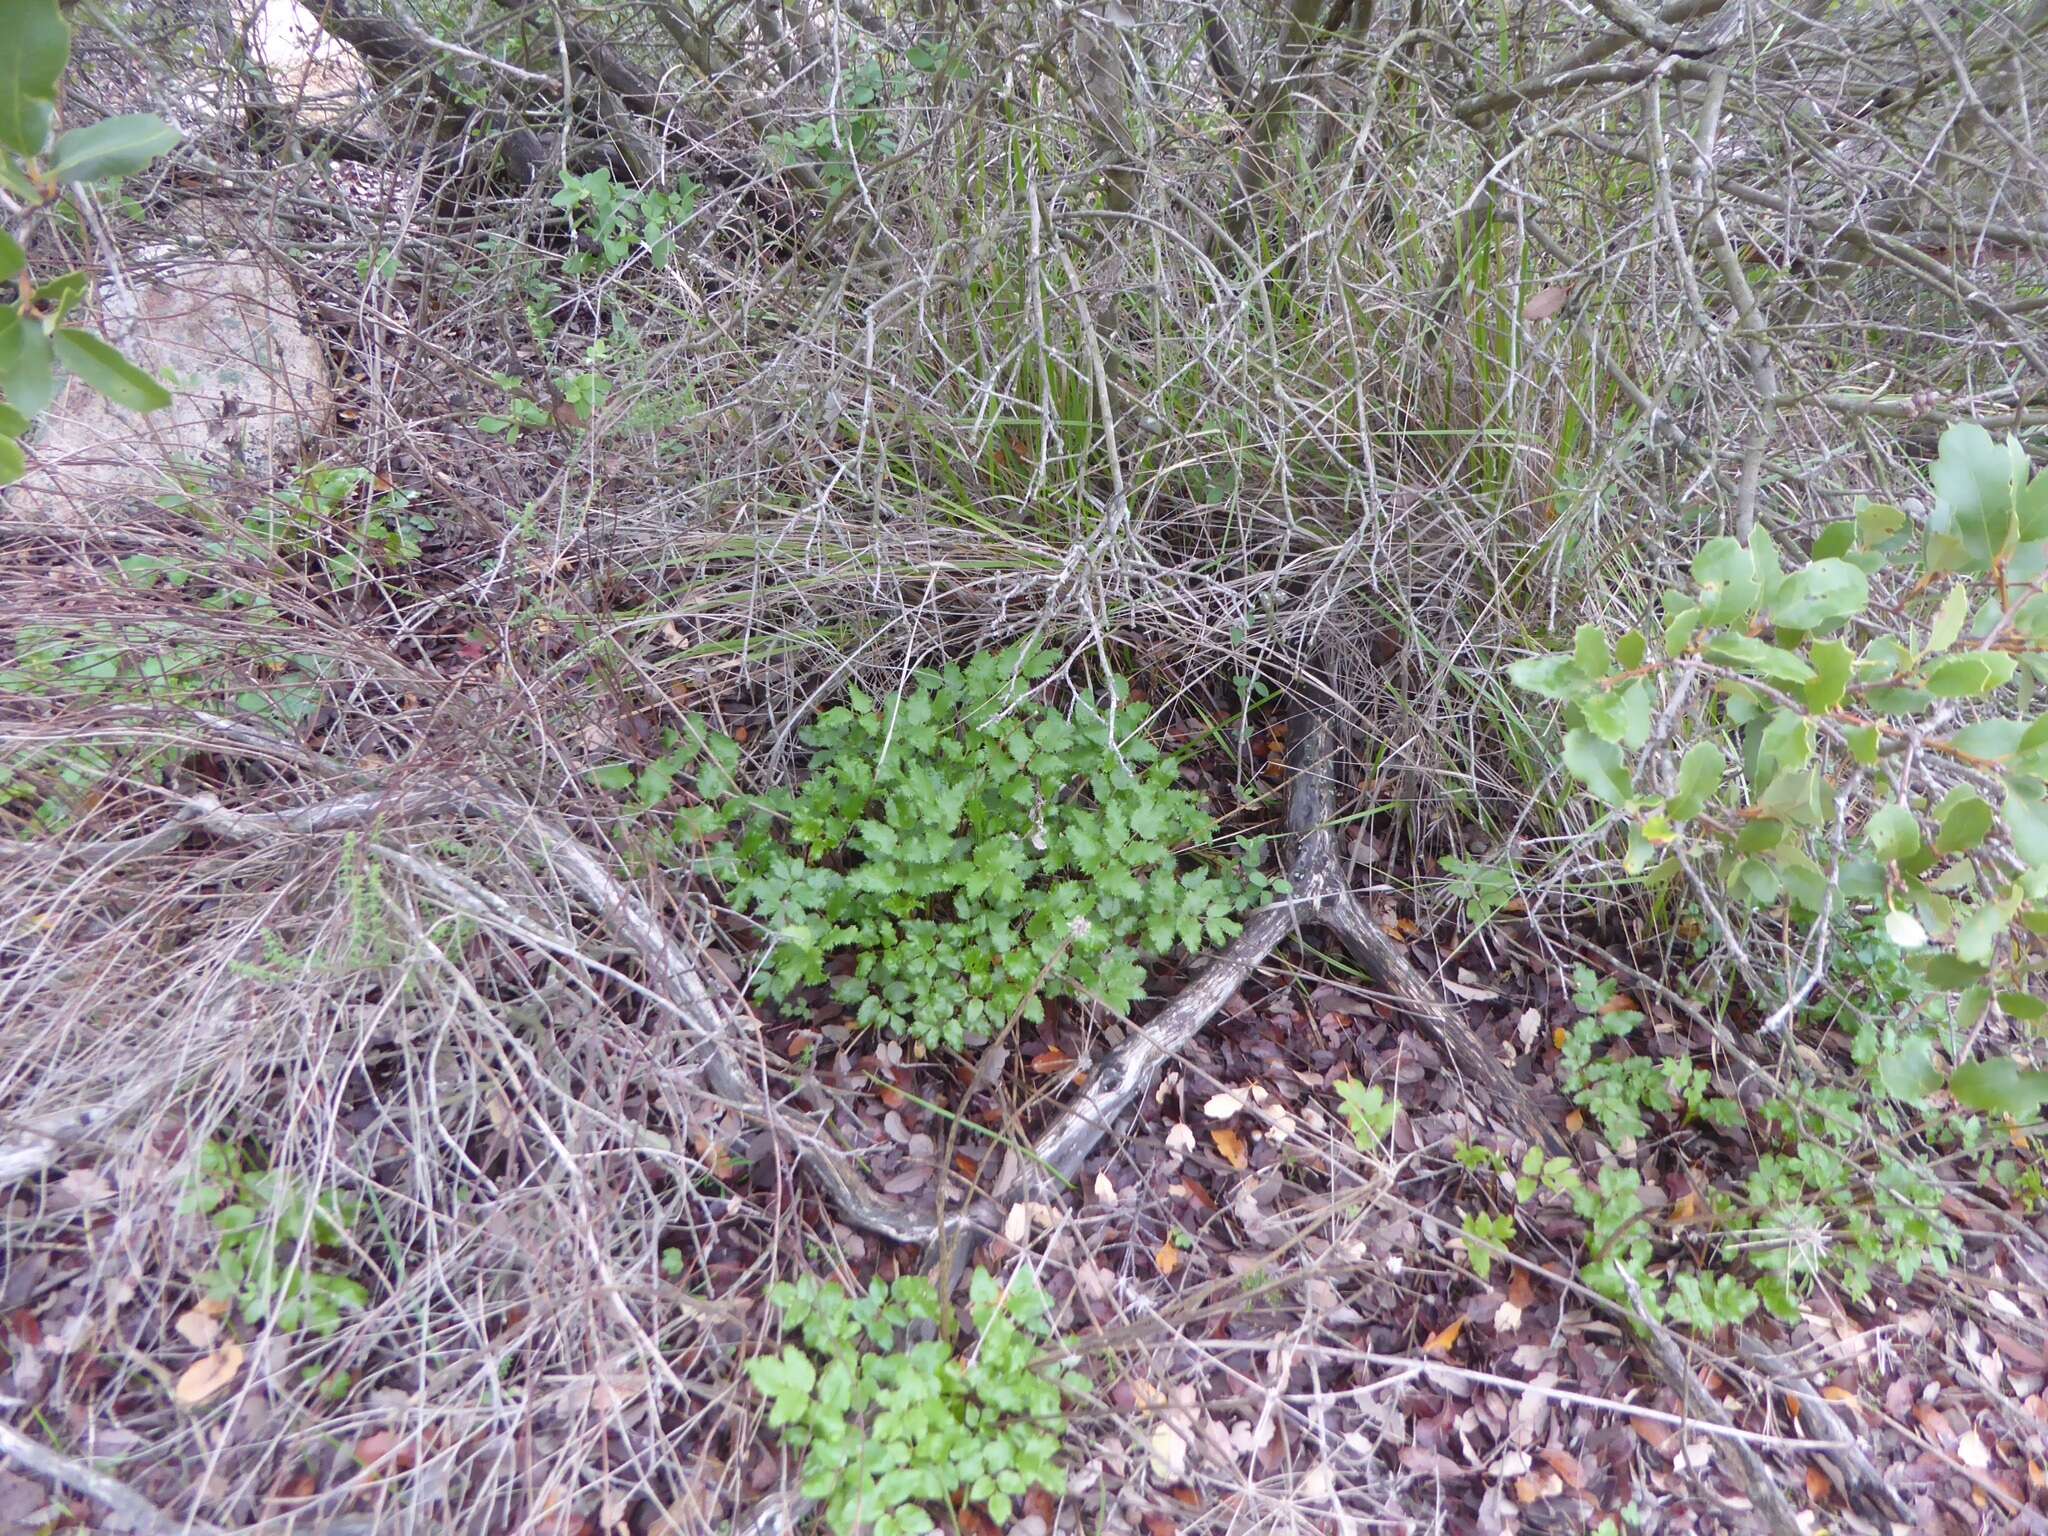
{"x": 1850, "y": 734}
{"x": 1616, "y": 1092}
{"x": 268, "y": 1228}
{"x": 962, "y": 852}
{"x": 612, "y": 221}
{"x": 1486, "y": 1236}
{"x": 858, "y": 131}
{"x": 1368, "y": 1111}
{"x": 345, "y": 518}
{"x": 891, "y": 1423}
{"x": 35, "y": 173}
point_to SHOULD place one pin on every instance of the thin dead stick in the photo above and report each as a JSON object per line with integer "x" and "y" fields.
{"x": 1846, "y": 1465}
{"x": 130, "y": 1508}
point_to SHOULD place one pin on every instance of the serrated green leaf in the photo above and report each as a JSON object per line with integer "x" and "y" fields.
{"x": 107, "y": 371}
{"x": 113, "y": 146}
{"x": 1758, "y": 659}
{"x": 1820, "y": 595}
{"x": 1832, "y": 663}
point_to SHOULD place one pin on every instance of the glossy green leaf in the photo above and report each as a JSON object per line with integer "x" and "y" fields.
{"x": 1553, "y": 677}
{"x": 1973, "y": 519}
{"x": 13, "y": 462}
{"x": 1990, "y": 741}
{"x": 1728, "y": 581}
{"x": 1948, "y": 618}
{"x": 35, "y": 45}
{"x": 1598, "y": 765}
{"x": 1893, "y": 833}
{"x": 1965, "y": 819}
{"x": 1909, "y": 1073}
{"x": 1878, "y": 523}
{"x": 27, "y": 378}
{"x": 107, "y": 371}
{"x": 1999, "y": 1086}
{"x": 1699, "y": 775}
{"x": 1755, "y": 657}
{"x": 113, "y": 146}
{"x": 12, "y": 422}
{"x": 2023, "y": 1006}
{"x": 1590, "y": 651}
{"x": 1823, "y": 594}
{"x": 1970, "y": 675}
{"x": 12, "y": 258}
{"x": 2026, "y": 823}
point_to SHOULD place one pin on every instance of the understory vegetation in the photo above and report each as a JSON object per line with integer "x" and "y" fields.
{"x": 689, "y": 890}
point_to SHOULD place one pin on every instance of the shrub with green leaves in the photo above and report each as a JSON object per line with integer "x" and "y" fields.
{"x": 971, "y": 852}
{"x": 35, "y": 172}
{"x": 1851, "y": 734}
{"x": 269, "y": 1228}
{"x": 888, "y": 1426}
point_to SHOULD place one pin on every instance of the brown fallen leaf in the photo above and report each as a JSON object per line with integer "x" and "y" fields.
{"x": 1656, "y": 1434}
{"x": 1545, "y": 302}
{"x": 1535, "y": 1487}
{"x": 1050, "y": 1060}
{"x": 1232, "y": 1146}
{"x": 1818, "y": 1488}
{"x": 206, "y": 1376}
{"x": 1167, "y": 1259}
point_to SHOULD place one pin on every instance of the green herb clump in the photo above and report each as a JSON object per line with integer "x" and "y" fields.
{"x": 976, "y": 852}
{"x": 888, "y": 1426}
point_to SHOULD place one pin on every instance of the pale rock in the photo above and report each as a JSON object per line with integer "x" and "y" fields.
{"x": 251, "y": 389}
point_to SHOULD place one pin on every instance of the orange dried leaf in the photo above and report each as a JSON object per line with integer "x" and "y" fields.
{"x": 1232, "y": 1146}
{"x": 1167, "y": 1259}
{"x": 1440, "y": 1342}
{"x": 204, "y": 1377}
{"x": 1050, "y": 1060}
